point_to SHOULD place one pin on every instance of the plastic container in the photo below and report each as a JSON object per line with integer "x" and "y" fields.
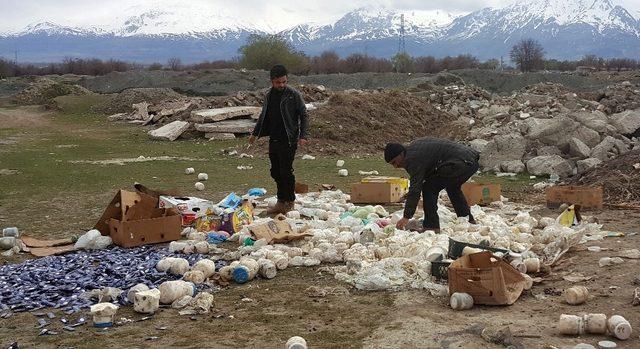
{"x": 461, "y": 301}
{"x": 206, "y": 266}
{"x": 199, "y": 186}
{"x": 532, "y": 265}
{"x": 268, "y": 269}
{"x": 595, "y": 323}
{"x": 203, "y": 176}
{"x": 195, "y": 276}
{"x": 571, "y": 325}
{"x": 189, "y": 170}
{"x": 226, "y": 273}
{"x": 103, "y": 314}
{"x": 440, "y": 269}
{"x": 619, "y": 327}
{"x": 343, "y": 172}
{"x": 7, "y": 242}
{"x": 147, "y": 302}
{"x": 172, "y": 290}
{"x": 240, "y": 274}
{"x": 340, "y": 163}
{"x": 135, "y": 289}
{"x": 296, "y": 342}
{"x": 10, "y": 232}
{"x": 576, "y": 295}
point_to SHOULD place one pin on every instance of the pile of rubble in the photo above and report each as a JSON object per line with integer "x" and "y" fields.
{"x": 551, "y": 131}
{"x": 41, "y": 90}
{"x": 216, "y": 118}
{"x": 620, "y": 97}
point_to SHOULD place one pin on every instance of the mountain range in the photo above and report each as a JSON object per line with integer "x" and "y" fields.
{"x": 567, "y": 29}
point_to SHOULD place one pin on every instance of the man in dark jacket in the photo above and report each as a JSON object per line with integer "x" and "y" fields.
{"x": 433, "y": 164}
{"x": 284, "y": 119}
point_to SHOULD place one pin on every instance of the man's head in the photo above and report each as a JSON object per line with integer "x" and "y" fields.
{"x": 278, "y": 76}
{"x": 394, "y": 154}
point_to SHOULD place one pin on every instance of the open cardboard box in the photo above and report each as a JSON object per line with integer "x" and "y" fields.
{"x": 134, "y": 219}
{"x": 481, "y": 194}
{"x": 488, "y": 279}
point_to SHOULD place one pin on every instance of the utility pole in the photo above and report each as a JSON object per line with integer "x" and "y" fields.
{"x": 401, "y": 42}
{"x": 15, "y": 55}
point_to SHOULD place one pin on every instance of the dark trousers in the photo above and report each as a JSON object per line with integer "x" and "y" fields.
{"x": 432, "y": 187}
{"x": 281, "y": 156}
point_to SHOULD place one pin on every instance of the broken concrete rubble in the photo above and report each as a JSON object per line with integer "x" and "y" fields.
{"x": 548, "y": 165}
{"x": 578, "y": 149}
{"x": 170, "y": 132}
{"x": 513, "y": 166}
{"x": 502, "y": 148}
{"x": 587, "y": 164}
{"x": 219, "y": 136}
{"x": 626, "y": 122}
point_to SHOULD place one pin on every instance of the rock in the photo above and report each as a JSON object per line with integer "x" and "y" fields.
{"x": 548, "y": 150}
{"x": 219, "y": 114}
{"x": 478, "y": 145}
{"x": 141, "y": 111}
{"x": 587, "y": 164}
{"x": 228, "y": 126}
{"x": 502, "y": 148}
{"x": 596, "y": 120}
{"x": 601, "y": 151}
{"x": 558, "y": 131}
{"x": 578, "y": 149}
{"x": 626, "y": 122}
{"x": 513, "y": 166}
{"x": 219, "y": 136}
{"x": 549, "y": 164}
{"x": 171, "y": 131}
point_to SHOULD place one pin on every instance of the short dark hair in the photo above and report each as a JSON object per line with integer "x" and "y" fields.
{"x": 278, "y": 71}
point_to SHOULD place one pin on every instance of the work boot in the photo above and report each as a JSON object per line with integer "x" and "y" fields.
{"x": 277, "y": 209}
{"x": 288, "y": 206}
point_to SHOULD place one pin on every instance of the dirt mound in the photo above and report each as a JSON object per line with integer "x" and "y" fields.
{"x": 364, "y": 122}
{"x": 547, "y": 88}
{"x": 122, "y": 102}
{"x": 620, "y": 179}
{"x": 41, "y": 90}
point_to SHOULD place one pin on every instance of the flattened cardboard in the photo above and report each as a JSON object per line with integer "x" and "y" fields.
{"x": 33, "y": 242}
{"x": 488, "y": 279}
{"x": 50, "y": 251}
{"x": 481, "y": 194}
{"x": 376, "y": 193}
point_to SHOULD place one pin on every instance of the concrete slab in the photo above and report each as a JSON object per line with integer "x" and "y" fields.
{"x": 220, "y": 114}
{"x": 170, "y": 132}
{"x": 228, "y": 126}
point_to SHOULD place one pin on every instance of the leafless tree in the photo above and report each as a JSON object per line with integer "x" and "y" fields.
{"x": 174, "y": 63}
{"x": 528, "y": 55}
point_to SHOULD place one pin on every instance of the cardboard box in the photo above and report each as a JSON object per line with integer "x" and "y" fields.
{"x": 488, "y": 279}
{"x": 481, "y": 194}
{"x": 189, "y": 207}
{"x": 134, "y": 219}
{"x": 402, "y": 182}
{"x": 234, "y": 221}
{"x": 586, "y": 197}
{"x": 376, "y": 193}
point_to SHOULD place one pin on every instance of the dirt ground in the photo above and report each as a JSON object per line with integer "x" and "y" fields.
{"x": 45, "y": 197}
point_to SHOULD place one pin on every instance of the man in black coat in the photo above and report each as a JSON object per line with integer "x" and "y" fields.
{"x": 433, "y": 164}
{"x": 284, "y": 120}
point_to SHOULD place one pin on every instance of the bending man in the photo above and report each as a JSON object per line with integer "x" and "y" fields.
{"x": 433, "y": 164}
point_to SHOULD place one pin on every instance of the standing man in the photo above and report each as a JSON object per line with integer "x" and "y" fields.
{"x": 433, "y": 164}
{"x": 284, "y": 119}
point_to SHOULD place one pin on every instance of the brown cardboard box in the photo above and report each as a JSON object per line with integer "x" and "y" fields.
{"x": 586, "y": 197}
{"x": 481, "y": 194}
{"x": 134, "y": 219}
{"x": 376, "y": 193}
{"x": 488, "y": 279}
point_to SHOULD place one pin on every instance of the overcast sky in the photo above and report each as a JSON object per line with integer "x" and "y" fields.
{"x": 16, "y": 14}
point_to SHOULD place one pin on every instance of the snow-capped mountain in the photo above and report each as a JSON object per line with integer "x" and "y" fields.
{"x": 567, "y": 29}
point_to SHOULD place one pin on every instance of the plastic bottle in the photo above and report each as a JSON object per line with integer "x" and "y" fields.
{"x": 461, "y": 301}
{"x": 619, "y": 327}
{"x": 576, "y": 295}
{"x": 7, "y": 242}
{"x": 571, "y": 324}
{"x": 268, "y": 269}
{"x": 103, "y": 314}
{"x": 296, "y": 342}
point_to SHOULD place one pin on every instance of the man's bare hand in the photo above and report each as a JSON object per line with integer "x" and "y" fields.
{"x": 252, "y": 139}
{"x": 303, "y": 142}
{"x": 402, "y": 223}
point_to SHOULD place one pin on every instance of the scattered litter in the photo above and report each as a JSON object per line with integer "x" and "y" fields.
{"x": 103, "y": 314}
{"x": 340, "y": 163}
{"x": 141, "y": 158}
{"x": 296, "y": 342}
{"x": 308, "y": 157}
{"x": 189, "y": 170}
{"x": 607, "y": 344}
{"x": 93, "y": 240}
{"x": 8, "y": 172}
{"x": 368, "y": 173}
{"x": 203, "y": 176}
{"x": 11, "y": 232}
{"x": 505, "y": 174}
{"x": 244, "y": 155}
{"x": 636, "y": 297}
{"x": 631, "y": 254}
{"x": 244, "y": 167}
{"x": 576, "y": 295}
{"x": 607, "y": 261}
{"x": 461, "y": 301}
{"x": 619, "y": 327}
{"x": 343, "y": 172}
{"x": 577, "y": 277}
{"x": 199, "y": 186}
{"x": 594, "y": 248}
